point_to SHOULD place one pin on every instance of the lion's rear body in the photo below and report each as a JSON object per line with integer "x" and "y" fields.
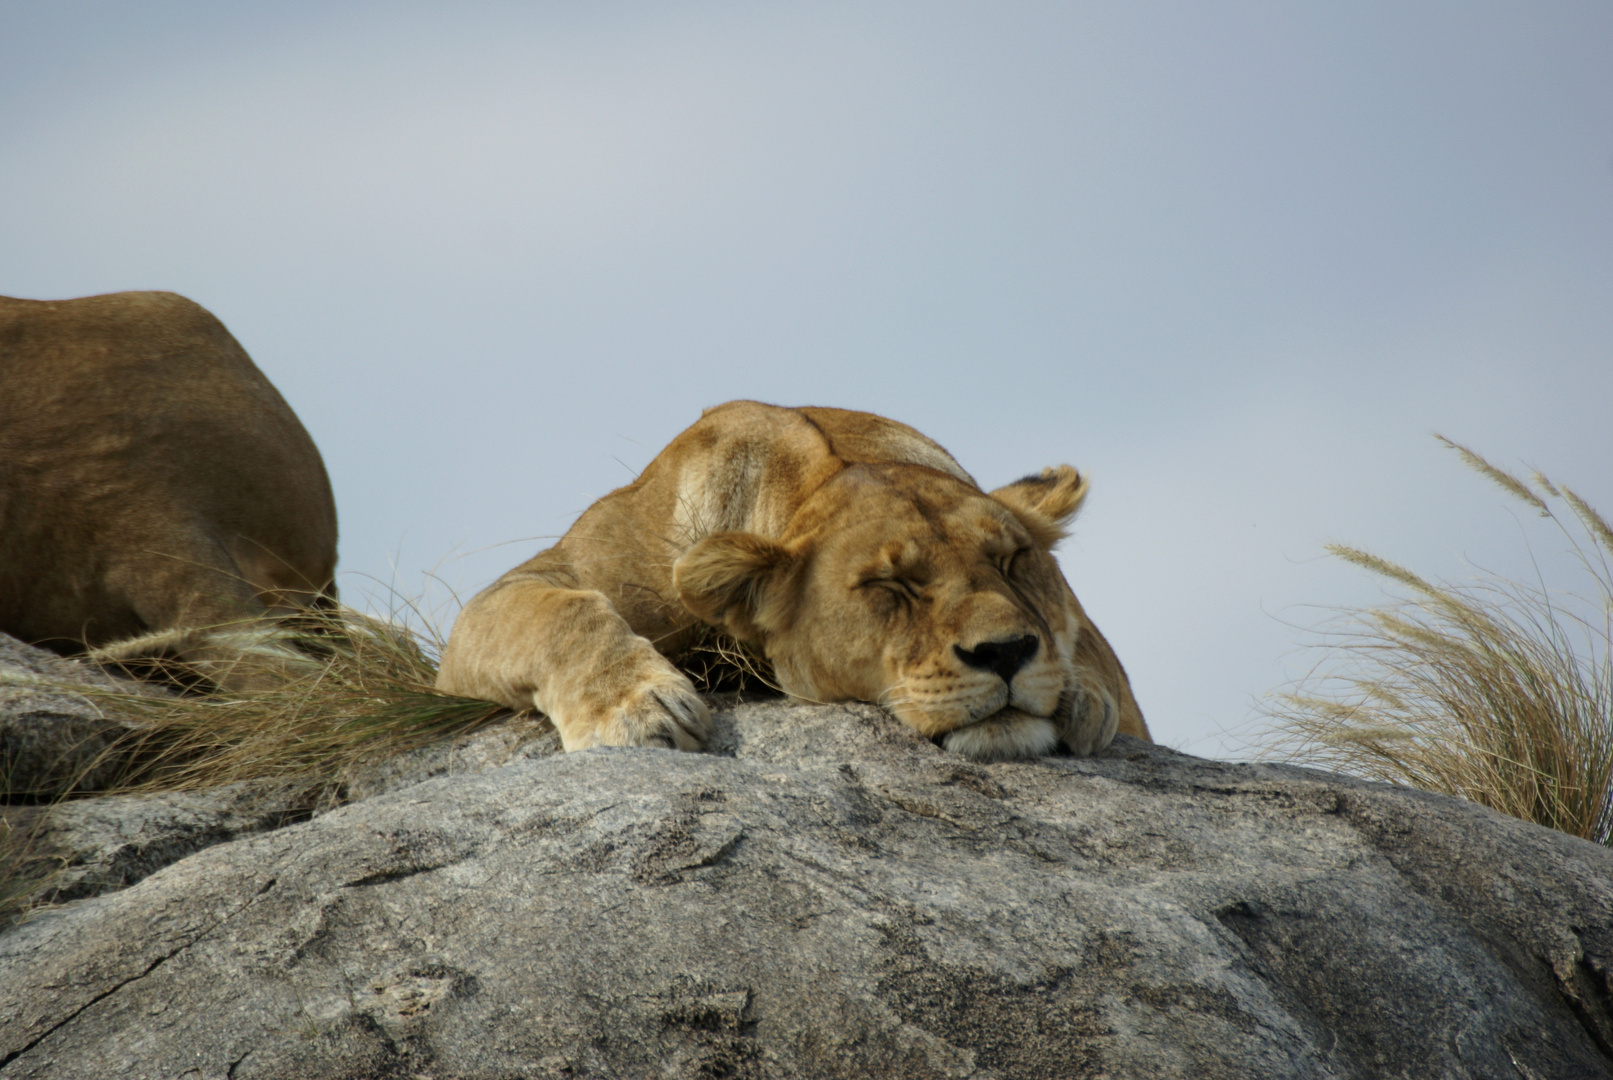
{"x": 150, "y": 475}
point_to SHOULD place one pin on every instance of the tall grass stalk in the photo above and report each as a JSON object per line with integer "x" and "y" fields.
{"x": 1496, "y": 691}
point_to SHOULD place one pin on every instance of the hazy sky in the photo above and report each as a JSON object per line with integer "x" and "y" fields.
{"x": 1236, "y": 260}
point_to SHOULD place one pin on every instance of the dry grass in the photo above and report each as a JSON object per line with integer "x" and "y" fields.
{"x": 718, "y": 663}
{"x": 351, "y": 688}
{"x": 359, "y": 688}
{"x": 1495, "y": 691}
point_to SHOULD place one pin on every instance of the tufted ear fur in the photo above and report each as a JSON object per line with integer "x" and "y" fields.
{"x": 737, "y": 581}
{"x": 1046, "y": 503}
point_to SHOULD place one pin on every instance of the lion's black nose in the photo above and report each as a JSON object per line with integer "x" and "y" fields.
{"x": 1003, "y": 657}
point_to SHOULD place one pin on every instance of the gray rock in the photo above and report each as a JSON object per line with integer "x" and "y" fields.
{"x": 76, "y": 848}
{"x": 827, "y": 894}
{"x": 55, "y": 733}
{"x": 60, "y": 726}
{"x": 504, "y": 743}
{"x": 84, "y": 847}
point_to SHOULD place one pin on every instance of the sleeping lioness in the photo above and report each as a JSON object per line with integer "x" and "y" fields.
{"x": 850, "y": 550}
{"x": 151, "y": 480}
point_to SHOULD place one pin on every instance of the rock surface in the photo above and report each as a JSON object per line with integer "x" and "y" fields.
{"x": 827, "y": 894}
{"x": 55, "y": 732}
{"x": 84, "y": 847}
{"x": 60, "y": 727}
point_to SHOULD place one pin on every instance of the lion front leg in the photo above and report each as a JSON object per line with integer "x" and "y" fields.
{"x": 568, "y": 653}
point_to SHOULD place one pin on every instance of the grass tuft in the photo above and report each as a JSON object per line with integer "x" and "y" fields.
{"x": 1495, "y": 691}
{"x": 353, "y": 688}
{"x": 357, "y": 689}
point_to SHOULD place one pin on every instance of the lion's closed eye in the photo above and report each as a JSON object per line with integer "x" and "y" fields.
{"x": 899, "y": 588}
{"x": 1014, "y": 562}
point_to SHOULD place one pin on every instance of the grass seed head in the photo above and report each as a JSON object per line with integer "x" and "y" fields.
{"x": 1496, "y": 691}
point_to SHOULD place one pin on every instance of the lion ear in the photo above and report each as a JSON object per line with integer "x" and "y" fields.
{"x": 736, "y": 581}
{"x": 1046, "y": 503}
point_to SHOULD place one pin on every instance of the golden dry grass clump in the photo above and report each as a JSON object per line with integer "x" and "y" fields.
{"x": 352, "y": 688}
{"x": 1495, "y": 691}
{"x": 357, "y": 688}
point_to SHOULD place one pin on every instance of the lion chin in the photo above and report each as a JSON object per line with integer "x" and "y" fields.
{"x": 1003, "y": 736}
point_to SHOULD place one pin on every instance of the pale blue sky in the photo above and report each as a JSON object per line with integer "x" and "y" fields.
{"x": 1237, "y": 260}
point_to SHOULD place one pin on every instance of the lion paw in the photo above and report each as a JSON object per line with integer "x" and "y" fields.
{"x": 662, "y": 710}
{"x": 1094, "y": 718}
{"x": 666, "y": 715}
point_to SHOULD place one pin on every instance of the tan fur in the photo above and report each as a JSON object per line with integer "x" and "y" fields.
{"x": 151, "y": 480}
{"x": 849, "y": 549}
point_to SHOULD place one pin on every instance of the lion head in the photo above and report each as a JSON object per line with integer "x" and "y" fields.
{"x": 906, "y": 585}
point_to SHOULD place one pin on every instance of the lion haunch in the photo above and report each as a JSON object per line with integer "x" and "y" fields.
{"x": 850, "y": 550}
{"x": 151, "y": 479}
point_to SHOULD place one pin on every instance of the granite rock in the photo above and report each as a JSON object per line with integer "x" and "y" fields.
{"x": 827, "y": 894}
{"x": 58, "y": 728}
